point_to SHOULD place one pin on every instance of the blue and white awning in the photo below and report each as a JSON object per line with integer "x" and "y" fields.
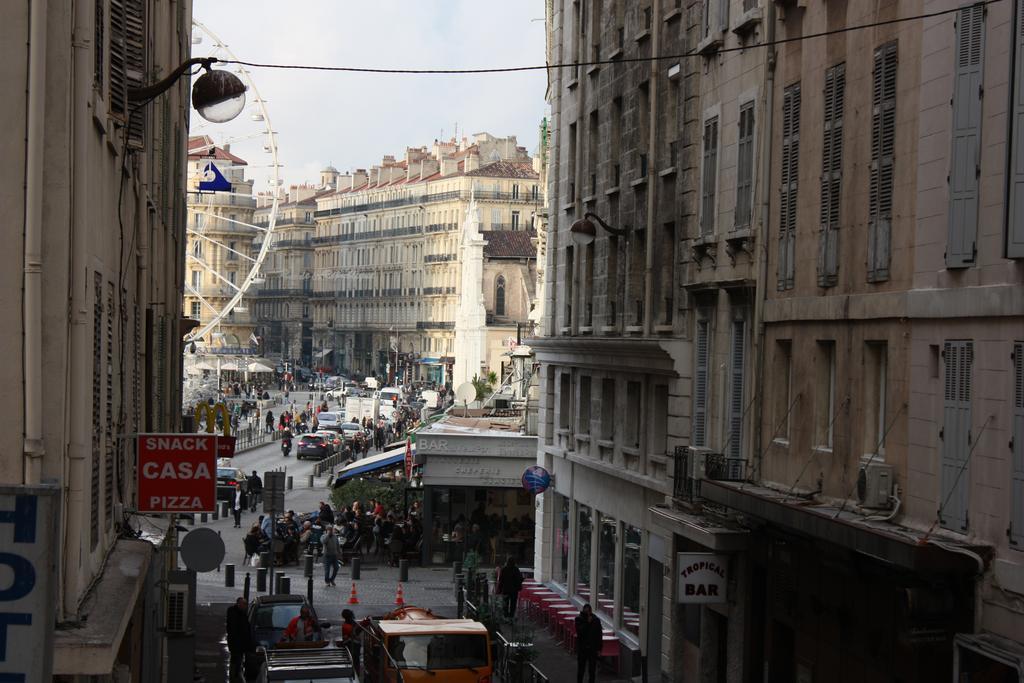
{"x": 374, "y": 463}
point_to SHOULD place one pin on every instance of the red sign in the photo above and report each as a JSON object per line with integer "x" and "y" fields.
{"x": 408, "y": 458}
{"x": 225, "y": 446}
{"x": 177, "y": 472}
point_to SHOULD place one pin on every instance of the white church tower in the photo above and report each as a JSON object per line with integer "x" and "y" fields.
{"x": 471, "y": 316}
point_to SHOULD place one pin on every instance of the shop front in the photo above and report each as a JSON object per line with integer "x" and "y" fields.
{"x": 473, "y": 496}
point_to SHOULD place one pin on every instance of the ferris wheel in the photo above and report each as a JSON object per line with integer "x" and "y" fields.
{"x": 218, "y": 309}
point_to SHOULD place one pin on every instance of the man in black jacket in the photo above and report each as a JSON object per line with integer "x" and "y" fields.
{"x": 589, "y": 637}
{"x": 255, "y": 491}
{"x": 510, "y": 582}
{"x": 239, "y": 637}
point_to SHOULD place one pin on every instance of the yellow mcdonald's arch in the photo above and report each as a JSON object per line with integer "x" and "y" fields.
{"x": 211, "y": 416}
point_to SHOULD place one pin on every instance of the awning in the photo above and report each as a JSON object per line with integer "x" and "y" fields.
{"x": 429, "y": 361}
{"x": 322, "y": 353}
{"x": 230, "y": 365}
{"x": 374, "y": 463}
{"x": 258, "y": 367}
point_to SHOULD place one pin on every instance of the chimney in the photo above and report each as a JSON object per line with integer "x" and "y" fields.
{"x": 449, "y": 166}
{"x": 472, "y": 162}
{"x": 359, "y": 178}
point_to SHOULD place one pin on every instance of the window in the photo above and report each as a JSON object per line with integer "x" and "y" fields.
{"x": 583, "y": 414}
{"x": 568, "y": 285}
{"x": 562, "y": 519}
{"x": 499, "y": 296}
{"x": 571, "y": 163}
{"x": 587, "y": 286}
{"x": 883, "y": 140}
{"x": 608, "y": 543}
{"x": 495, "y": 219}
{"x": 1015, "y": 214}
{"x": 199, "y": 219}
{"x": 664, "y": 283}
{"x": 745, "y": 167}
{"x": 633, "y": 412}
{"x": 875, "y": 370}
{"x": 736, "y": 393}
{"x": 658, "y": 444}
{"x": 515, "y": 220}
{"x": 783, "y": 380}
{"x": 965, "y": 160}
{"x": 709, "y": 180}
{"x": 608, "y": 409}
{"x": 825, "y": 394}
{"x": 196, "y": 280}
{"x": 789, "y": 179}
{"x": 231, "y": 277}
{"x": 197, "y": 248}
{"x": 196, "y": 310}
{"x": 632, "y": 538}
{"x": 831, "y": 176}
{"x": 565, "y": 400}
{"x": 700, "y": 383}
{"x": 1017, "y": 490}
{"x": 956, "y": 434}
{"x": 232, "y": 256}
{"x": 584, "y": 536}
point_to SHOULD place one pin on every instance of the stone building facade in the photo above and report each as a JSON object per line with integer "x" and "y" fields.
{"x": 825, "y": 376}
{"x": 386, "y": 268}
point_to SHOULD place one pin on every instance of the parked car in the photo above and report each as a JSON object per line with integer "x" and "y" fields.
{"x": 269, "y": 616}
{"x": 313, "y": 446}
{"x": 229, "y": 479}
{"x": 349, "y": 430}
{"x": 332, "y": 437}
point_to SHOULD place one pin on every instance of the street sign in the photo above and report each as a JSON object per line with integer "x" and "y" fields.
{"x": 177, "y": 473}
{"x": 273, "y": 491}
{"x": 225, "y": 446}
{"x": 213, "y": 180}
{"x": 702, "y": 578}
{"x": 29, "y": 538}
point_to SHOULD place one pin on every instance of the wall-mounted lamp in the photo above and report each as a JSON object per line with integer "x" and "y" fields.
{"x": 584, "y": 231}
{"x": 217, "y": 95}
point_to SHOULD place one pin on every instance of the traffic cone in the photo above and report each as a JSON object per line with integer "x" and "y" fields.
{"x": 353, "y": 599}
{"x": 399, "y": 599}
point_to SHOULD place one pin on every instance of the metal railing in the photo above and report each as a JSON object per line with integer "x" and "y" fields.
{"x": 438, "y": 258}
{"x": 482, "y": 195}
{"x": 508, "y": 670}
{"x": 328, "y": 464}
{"x": 691, "y": 467}
{"x": 434, "y": 325}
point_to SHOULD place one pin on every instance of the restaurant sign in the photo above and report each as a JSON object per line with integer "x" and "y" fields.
{"x": 702, "y": 578}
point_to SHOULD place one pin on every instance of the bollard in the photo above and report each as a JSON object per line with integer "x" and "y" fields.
{"x": 261, "y": 580}
{"x": 277, "y": 583}
{"x": 286, "y": 585}
{"x": 224, "y": 510}
{"x": 204, "y": 518}
{"x": 229, "y": 576}
{"x": 310, "y": 480}
{"x": 191, "y": 519}
{"x": 356, "y": 566}
{"x": 265, "y": 559}
{"x": 289, "y": 483}
{"x": 247, "y": 586}
{"x": 456, "y": 570}
{"x": 308, "y": 569}
{"x": 216, "y": 513}
{"x": 460, "y": 601}
{"x": 403, "y": 570}
{"x": 309, "y": 590}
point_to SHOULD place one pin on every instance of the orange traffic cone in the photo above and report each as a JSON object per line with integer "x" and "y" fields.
{"x": 399, "y": 599}
{"x": 353, "y": 599}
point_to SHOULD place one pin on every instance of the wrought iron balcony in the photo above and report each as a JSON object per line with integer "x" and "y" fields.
{"x": 434, "y": 325}
{"x": 693, "y": 465}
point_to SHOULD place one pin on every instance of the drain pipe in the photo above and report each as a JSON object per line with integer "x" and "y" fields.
{"x": 32, "y": 286}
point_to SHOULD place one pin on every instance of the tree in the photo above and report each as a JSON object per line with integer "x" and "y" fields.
{"x": 389, "y": 493}
{"x": 484, "y": 385}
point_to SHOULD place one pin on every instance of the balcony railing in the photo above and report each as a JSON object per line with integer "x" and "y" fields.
{"x": 434, "y": 325}
{"x": 438, "y": 290}
{"x": 439, "y": 258}
{"x": 481, "y": 195}
{"x": 220, "y": 199}
{"x": 440, "y": 227}
{"x": 370, "y": 235}
{"x": 285, "y": 291}
{"x": 286, "y": 244}
{"x": 692, "y": 466}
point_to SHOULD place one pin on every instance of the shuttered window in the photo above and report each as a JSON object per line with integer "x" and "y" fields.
{"x": 1017, "y": 483}
{"x": 108, "y": 404}
{"x": 99, "y": 45}
{"x": 117, "y": 72}
{"x": 1015, "y": 214}
{"x": 883, "y": 138}
{"x": 97, "y": 410}
{"x": 788, "y": 191}
{"x": 831, "y": 176}
{"x": 745, "y": 167}
{"x": 956, "y": 434}
{"x": 736, "y": 401}
{"x": 710, "y": 177}
{"x": 700, "y": 384}
{"x": 965, "y": 160}
{"x": 135, "y": 65}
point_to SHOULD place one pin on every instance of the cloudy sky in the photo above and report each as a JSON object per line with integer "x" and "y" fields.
{"x": 351, "y": 120}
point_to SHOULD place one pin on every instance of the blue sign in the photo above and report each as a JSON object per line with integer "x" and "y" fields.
{"x": 213, "y": 180}
{"x": 28, "y": 536}
{"x": 536, "y": 479}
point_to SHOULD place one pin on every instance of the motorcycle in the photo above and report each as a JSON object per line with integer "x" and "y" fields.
{"x": 286, "y": 447}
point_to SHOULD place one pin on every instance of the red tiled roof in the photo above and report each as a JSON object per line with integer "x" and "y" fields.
{"x": 202, "y": 147}
{"x": 506, "y": 169}
{"x": 509, "y": 243}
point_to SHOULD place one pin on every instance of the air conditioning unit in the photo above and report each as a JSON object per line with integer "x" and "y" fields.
{"x": 697, "y": 465}
{"x": 177, "y": 608}
{"x": 874, "y": 485}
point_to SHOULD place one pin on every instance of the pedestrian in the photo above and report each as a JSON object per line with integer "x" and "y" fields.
{"x": 589, "y": 635}
{"x": 331, "y": 553}
{"x": 255, "y": 485}
{"x": 239, "y": 504}
{"x": 270, "y": 421}
{"x": 510, "y": 582}
{"x": 301, "y": 627}
{"x": 251, "y": 541}
{"x": 239, "y": 637}
{"x": 350, "y": 635}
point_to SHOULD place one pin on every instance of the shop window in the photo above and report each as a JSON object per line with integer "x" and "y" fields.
{"x": 562, "y": 515}
{"x": 584, "y": 532}
{"x": 608, "y": 542}
{"x": 631, "y": 578}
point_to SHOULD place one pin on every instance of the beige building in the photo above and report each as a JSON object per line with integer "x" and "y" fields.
{"x": 796, "y": 353}
{"x": 283, "y": 310}
{"x": 94, "y": 201}
{"x": 220, "y": 251}
{"x": 386, "y": 273}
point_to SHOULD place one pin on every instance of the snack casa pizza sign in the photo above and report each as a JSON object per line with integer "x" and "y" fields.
{"x": 177, "y": 472}
{"x": 703, "y": 578}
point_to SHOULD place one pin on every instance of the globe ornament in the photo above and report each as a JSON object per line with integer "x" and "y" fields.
{"x": 536, "y": 479}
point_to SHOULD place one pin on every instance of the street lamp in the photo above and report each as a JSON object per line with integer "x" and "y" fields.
{"x": 584, "y": 232}
{"x": 217, "y": 95}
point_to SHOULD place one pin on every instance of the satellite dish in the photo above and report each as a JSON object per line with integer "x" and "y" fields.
{"x": 465, "y": 393}
{"x": 202, "y": 550}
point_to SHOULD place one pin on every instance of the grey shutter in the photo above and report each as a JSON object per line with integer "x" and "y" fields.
{"x": 135, "y": 66}
{"x": 723, "y": 15}
{"x": 956, "y": 426}
{"x": 1017, "y": 483}
{"x": 700, "y": 385}
{"x": 965, "y": 159}
{"x": 108, "y": 407}
{"x": 745, "y": 167}
{"x": 97, "y": 407}
{"x": 707, "y": 217}
{"x": 831, "y": 176}
{"x": 1015, "y": 214}
{"x": 790, "y": 176}
{"x": 883, "y": 138}
{"x": 117, "y": 102}
{"x": 736, "y": 390}
{"x": 99, "y": 44}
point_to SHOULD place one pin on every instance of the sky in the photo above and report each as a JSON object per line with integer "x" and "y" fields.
{"x": 352, "y": 120}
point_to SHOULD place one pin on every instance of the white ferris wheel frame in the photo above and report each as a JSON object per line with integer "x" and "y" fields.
{"x": 257, "y": 263}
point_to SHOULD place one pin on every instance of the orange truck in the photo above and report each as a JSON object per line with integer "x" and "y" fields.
{"x": 421, "y": 646}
